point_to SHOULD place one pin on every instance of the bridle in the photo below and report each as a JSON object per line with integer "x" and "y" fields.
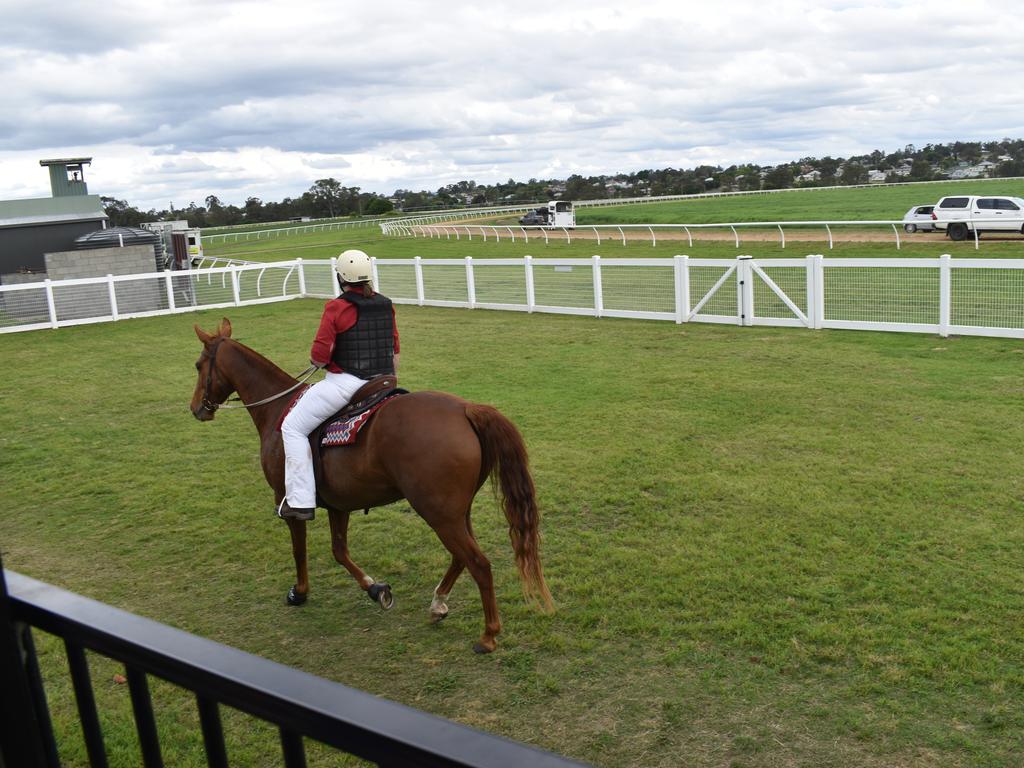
{"x": 211, "y": 354}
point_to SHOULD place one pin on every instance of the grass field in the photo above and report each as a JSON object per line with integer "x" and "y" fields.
{"x": 767, "y": 547}
{"x": 866, "y": 204}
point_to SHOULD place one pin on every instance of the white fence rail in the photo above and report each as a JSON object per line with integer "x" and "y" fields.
{"x": 940, "y": 295}
{"x": 618, "y": 232}
{"x": 235, "y": 236}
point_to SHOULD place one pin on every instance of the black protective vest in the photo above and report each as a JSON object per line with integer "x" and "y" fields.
{"x": 367, "y": 348}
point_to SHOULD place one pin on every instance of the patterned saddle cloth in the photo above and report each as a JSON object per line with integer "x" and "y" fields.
{"x": 343, "y": 427}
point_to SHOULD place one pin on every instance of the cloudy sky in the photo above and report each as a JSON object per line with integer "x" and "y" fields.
{"x": 178, "y": 100}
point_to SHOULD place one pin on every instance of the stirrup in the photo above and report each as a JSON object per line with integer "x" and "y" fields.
{"x": 287, "y": 512}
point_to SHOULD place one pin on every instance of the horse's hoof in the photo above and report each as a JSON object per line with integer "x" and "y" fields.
{"x": 479, "y": 647}
{"x": 380, "y": 593}
{"x": 295, "y": 597}
{"x": 437, "y": 618}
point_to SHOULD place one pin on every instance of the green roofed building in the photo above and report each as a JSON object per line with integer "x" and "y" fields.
{"x": 29, "y": 228}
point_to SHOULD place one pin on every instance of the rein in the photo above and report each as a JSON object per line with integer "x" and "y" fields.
{"x": 210, "y": 406}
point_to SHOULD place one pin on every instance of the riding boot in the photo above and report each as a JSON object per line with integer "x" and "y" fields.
{"x": 284, "y": 511}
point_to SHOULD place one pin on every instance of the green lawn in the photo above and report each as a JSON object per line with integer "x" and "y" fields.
{"x": 852, "y": 204}
{"x": 767, "y": 546}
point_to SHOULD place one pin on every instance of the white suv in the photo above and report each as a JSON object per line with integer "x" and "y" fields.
{"x": 959, "y": 215}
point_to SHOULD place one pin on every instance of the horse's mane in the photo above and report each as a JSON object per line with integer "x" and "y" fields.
{"x": 255, "y": 358}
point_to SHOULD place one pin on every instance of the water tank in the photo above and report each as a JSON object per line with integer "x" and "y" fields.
{"x": 119, "y": 237}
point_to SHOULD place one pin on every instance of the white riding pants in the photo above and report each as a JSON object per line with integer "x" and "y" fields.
{"x": 320, "y": 402}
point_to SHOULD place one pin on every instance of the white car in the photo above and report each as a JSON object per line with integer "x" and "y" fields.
{"x": 959, "y": 215}
{"x": 919, "y": 219}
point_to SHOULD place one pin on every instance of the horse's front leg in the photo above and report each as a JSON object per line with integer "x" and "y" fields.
{"x": 299, "y": 593}
{"x": 379, "y": 593}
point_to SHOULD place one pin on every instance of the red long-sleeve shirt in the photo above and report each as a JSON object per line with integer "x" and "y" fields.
{"x": 339, "y": 315}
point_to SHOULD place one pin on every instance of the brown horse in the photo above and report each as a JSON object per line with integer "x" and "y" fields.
{"x": 431, "y": 448}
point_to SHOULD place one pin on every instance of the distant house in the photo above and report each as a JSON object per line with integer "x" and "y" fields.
{"x": 964, "y": 171}
{"x": 813, "y": 175}
{"x": 876, "y": 177}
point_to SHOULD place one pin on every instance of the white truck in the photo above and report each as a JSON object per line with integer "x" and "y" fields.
{"x": 959, "y": 215}
{"x": 556, "y": 214}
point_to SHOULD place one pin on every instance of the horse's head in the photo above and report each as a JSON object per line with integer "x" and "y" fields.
{"x": 212, "y": 386}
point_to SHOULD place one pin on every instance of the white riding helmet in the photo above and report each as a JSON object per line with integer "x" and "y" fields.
{"x": 354, "y": 266}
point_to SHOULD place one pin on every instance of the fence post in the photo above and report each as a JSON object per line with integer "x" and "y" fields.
{"x": 470, "y": 283}
{"x": 419, "y": 281}
{"x": 744, "y": 290}
{"x": 51, "y": 305}
{"x": 812, "y": 304}
{"x": 598, "y": 289}
{"x": 945, "y": 294}
{"x": 27, "y": 736}
{"x": 376, "y": 274}
{"x": 235, "y": 292}
{"x": 169, "y": 286}
{"x": 531, "y": 297}
{"x": 113, "y": 295}
{"x": 302, "y": 278}
{"x": 334, "y": 271}
{"x": 681, "y": 274}
{"x": 819, "y": 291}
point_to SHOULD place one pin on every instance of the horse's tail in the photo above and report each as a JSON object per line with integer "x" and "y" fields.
{"x": 505, "y": 459}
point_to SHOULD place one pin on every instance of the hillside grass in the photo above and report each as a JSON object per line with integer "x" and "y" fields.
{"x": 768, "y": 547}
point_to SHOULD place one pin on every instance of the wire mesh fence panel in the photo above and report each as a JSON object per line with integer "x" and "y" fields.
{"x": 987, "y": 298}
{"x": 23, "y": 307}
{"x": 273, "y": 282}
{"x": 563, "y": 285}
{"x": 640, "y": 289}
{"x": 147, "y": 294}
{"x": 499, "y": 284}
{"x": 397, "y": 281}
{"x": 792, "y": 281}
{"x": 212, "y": 289}
{"x": 703, "y": 279}
{"x": 882, "y": 294}
{"x": 320, "y": 279}
{"x": 80, "y": 302}
{"x": 445, "y": 283}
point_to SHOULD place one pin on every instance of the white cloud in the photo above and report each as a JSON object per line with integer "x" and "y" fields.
{"x": 177, "y": 100}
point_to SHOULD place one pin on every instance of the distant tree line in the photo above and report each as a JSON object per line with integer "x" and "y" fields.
{"x": 328, "y": 198}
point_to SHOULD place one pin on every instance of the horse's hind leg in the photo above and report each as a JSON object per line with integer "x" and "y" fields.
{"x": 458, "y": 539}
{"x": 298, "y": 594}
{"x": 380, "y": 593}
{"x": 439, "y": 605}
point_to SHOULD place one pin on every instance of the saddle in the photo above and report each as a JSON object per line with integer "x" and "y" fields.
{"x": 343, "y": 427}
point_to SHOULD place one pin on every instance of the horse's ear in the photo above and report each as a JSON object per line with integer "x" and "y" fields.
{"x": 225, "y": 328}
{"x": 204, "y": 337}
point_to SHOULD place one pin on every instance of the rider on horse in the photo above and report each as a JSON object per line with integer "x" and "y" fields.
{"x": 357, "y": 339}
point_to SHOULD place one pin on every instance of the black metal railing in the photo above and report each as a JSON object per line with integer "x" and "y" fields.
{"x": 301, "y": 705}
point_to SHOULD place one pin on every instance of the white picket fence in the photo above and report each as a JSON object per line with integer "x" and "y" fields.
{"x": 941, "y": 295}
